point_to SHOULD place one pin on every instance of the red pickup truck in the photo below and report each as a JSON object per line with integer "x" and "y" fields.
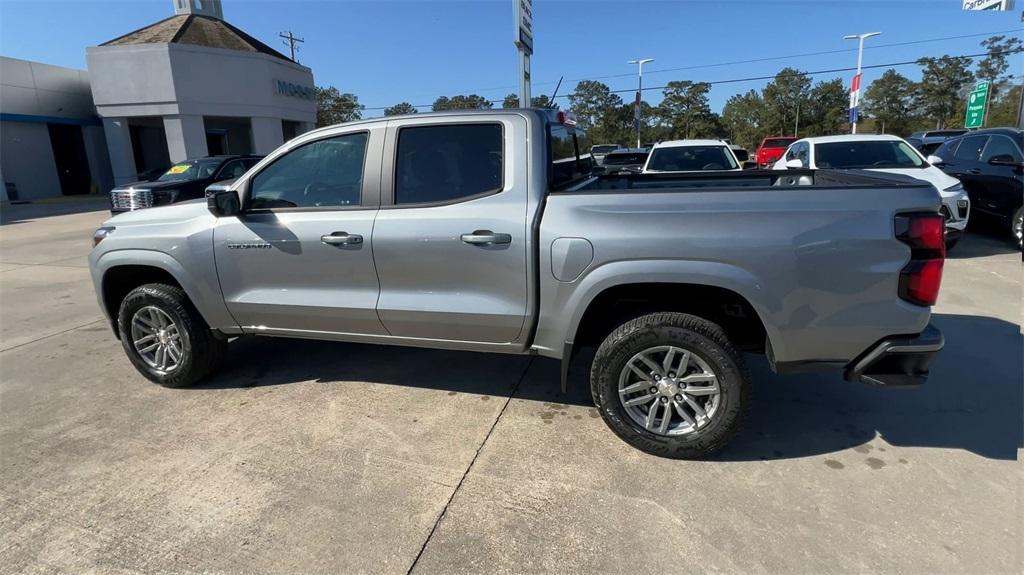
{"x": 771, "y": 149}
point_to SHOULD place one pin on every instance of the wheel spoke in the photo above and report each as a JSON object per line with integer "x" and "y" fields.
{"x": 161, "y": 357}
{"x": 652, "y": 414}
{"x": 685, "y": 414}
{"x": 144, "y": 324}
{"x": 697, "y": 409}
{"x": 144, "y": 339}
{"x": 639, "y": 400}
{"x": 635, "y": 387}
{"x": 699, "y": 378}
{"x": 149, "y": 348}
{"x": 684, "y": 363}
{"x": 173, "y": 352}
{"x": 666, "y": 416}
{"x": 650, "y": 363}
{"x": 640, "y": 373}
{"x": 701, "y": 391}
{"x": 666, "y": 365}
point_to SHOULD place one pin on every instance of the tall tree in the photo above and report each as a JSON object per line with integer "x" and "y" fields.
{"x": 592, "y": 102}
{"x": 744, "y": 117}
{"x": 542, "y": 101}
{"x": 461, "y": 102}
{"x": 1001, "y": 51}
{"x": 944, "y": 83}
{"x": 891, "y": 100}
{"x": 825, "y": 111}
{"x": 510, "y": 101}
{"x": 783, "y": 98}
{"x": 399, "y": 109}
{"x": 684, "y": 107}
{"x": 333, "y": 107}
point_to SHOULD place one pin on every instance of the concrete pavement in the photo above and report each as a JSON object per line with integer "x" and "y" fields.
{"x": 305, "y": 456}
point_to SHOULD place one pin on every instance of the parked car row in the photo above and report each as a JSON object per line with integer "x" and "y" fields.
{"x": 183, "y": 181}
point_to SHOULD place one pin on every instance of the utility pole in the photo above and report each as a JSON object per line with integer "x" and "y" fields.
{"x": 855, "y": 91}
{"x": 291, "y": 41}
{"x": 639, "y": 93}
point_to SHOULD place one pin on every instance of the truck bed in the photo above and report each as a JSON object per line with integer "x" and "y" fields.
{"x": 814, "y": 253}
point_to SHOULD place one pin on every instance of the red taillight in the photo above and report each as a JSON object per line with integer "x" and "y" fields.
{"x": 920, "y": 281}
{"x": 921, "y": 277}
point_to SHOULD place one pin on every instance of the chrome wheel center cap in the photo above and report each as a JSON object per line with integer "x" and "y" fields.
{"x": 668, "y": 387}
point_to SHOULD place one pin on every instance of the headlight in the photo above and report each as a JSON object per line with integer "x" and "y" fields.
{"x": 161, "y": 197}
{"x": 101, "y": 234}
{"x": 955, "y": 188}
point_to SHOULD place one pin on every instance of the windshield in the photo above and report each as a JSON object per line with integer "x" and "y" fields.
{"x": 867, "y": 155}
{"x": 778, "y": 142}
{"x": 624, "y": 159}
{"x": 189, "y": 171}
{"x": 603, "y": 149}
{"x": 691, "y": 159}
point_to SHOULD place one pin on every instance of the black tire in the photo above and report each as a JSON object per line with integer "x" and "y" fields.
{"x": 203, "y": 350}
{"x": 951, "y": 243}
{"x": 701, "y": 338}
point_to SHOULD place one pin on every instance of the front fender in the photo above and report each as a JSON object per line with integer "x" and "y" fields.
{"x": 203, "y": 290}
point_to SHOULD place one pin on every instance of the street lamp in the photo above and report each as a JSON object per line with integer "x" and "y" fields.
{"x": 639, "y": 91}
{"x": 855, "y": 100}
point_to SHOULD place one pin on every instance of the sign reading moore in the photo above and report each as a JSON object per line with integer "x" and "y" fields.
{"x": 294, "y": 90}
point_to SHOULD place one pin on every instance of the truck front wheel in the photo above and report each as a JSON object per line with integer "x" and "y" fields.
{"x": 165, "y": 337}
{"x": 671, "y": 384}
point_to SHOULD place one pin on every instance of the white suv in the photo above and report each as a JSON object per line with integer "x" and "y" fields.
{"x": 882, "y": 153}
{"x": 691, "y": 156}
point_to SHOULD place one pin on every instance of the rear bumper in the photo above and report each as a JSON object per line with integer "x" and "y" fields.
{"x": 898, "y": 361}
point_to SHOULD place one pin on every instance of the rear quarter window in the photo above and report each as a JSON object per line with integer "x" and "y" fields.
{"x": 569, "y": 155}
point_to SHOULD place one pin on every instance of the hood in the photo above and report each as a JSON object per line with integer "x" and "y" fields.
{"x": 170, "y": 213}
{"x": 144, "y": 185}
{"x": 934, "y": 176}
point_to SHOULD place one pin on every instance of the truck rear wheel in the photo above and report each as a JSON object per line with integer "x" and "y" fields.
{"x": 671, "y": 384}
{"x": 165, "y": 337}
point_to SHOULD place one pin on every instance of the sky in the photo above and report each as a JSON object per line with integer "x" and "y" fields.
{"x": 387, "y": 52}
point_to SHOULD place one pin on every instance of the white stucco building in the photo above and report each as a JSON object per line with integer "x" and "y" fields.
{"x": 188, "y": 86}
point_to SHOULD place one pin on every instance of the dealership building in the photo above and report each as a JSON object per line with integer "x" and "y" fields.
{"x": 188, "y": 86}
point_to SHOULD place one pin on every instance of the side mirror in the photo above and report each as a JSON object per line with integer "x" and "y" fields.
{"x": 935, "y": 160}
{"x": 749, "y": 165}
{"x": 1003, "y": 160}
{"x": 794, "y": 164}
{"x": 223, "y": 202}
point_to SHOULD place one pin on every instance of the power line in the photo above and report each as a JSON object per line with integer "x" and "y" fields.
{"x": 735, "y": 62}
{"x": 771, "y": 77}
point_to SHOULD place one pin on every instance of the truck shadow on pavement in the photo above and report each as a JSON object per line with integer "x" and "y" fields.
{"x": 972, "y": 400}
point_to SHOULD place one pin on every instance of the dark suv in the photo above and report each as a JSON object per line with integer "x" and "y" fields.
{"x": 989, "y": 163}
{"x": 183, "y": 181}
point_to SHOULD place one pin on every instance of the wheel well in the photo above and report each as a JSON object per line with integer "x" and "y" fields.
{"x": 120, "y": 280}
{"x": 618, "y": 304}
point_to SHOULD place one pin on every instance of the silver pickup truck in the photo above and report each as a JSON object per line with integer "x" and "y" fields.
{"x": 485, "y": 231}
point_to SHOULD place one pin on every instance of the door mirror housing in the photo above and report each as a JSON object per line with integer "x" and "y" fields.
{"x": 794, "y": 164}
{"x": 1003, "y": 160}
{"x": 935, "y": 160}
{"x": 223, "y": 202}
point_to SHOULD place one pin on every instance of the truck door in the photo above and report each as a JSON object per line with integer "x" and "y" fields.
{"x": 298, "y": 259}
{"x": 964, "y": 166}
{"x": 449, "y": 242}
{"x": 1001, "y": 181}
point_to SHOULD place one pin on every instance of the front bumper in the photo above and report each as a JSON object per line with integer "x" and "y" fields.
{"x": 900, "y": 361}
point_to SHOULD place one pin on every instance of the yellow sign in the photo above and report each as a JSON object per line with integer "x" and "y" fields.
{"x": 179, "y": 169}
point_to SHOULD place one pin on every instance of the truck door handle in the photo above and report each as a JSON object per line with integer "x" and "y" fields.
{"x": 486, "y": 238}
{"x": 974, "y": 171}
{"x": 342, "y": 239}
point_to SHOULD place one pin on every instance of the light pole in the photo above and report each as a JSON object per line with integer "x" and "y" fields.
{"x": 639, "y": 91}
{"x": 855, "y": 100}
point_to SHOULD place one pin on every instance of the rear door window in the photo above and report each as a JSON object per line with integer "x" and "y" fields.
{"x": 442, "y": 164}
{"x": 970, "y": 148}
{"x": 1000, "y": 146}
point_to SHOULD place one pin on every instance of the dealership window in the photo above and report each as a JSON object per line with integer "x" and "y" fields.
{"x": 447, "y": 163}
{"x": 324, "y": 173}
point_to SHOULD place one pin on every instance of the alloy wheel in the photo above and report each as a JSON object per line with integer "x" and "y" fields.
{"x": 668, "y": 390}
{"x": 157, "y": 339}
